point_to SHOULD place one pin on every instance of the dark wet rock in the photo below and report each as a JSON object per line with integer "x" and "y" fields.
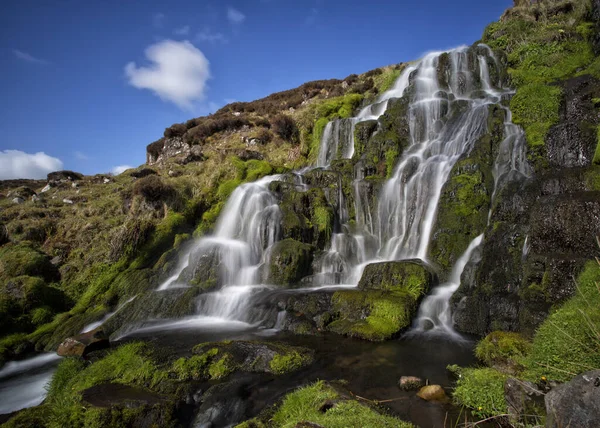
{"x": 153, "y": 305}
{"x": 363, "y": 132}
{"x": 409, "y": 383}
{"x": 307, "y": 216}
{"x": 573, "y": 141}
{"x": 289, "y": 262}
{"x": 111, "y": 394}
{"x": 222, "y": 405}
{"x": 204, "y": 267}
{"x": 575, "y": 403}
{"x": 566, "y": 224}
{"x": 525, "y": 401}
{"x": 83, "y": 344}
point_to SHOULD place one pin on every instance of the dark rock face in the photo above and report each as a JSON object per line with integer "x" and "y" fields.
{"x": 575, "y": 403}
{"x": 80, "y": 346}
{"x": 542, "y": 230}
{"x": 524, "y": 401}
{"x": 222, "y": 405}
{"x": 4, "y": 238}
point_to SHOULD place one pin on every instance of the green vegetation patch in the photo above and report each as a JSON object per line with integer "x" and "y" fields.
{"x": 502, "y": 349}
{"x": 481, "y": 390}
{"x": 568, "y": 342}
{"x": 305, "y": 405}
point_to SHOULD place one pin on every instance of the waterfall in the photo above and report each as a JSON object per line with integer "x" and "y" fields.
{"x": 434, "y": 313}
{"x": 248, "y": 226}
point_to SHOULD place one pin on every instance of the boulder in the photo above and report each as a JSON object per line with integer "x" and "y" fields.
{"x": 524, "y": 400}
{"x": 83, "y": 344}
{"x": 409, "y": 383}
{"x": 433, "y": 393}
{"x": 404, "y": 275}
{"x": 289, "y": 262}
{"x": 575, "y": 403}
{"x": 247, "y": 155}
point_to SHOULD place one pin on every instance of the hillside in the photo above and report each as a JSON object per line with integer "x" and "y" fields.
{"x": 334, "y": 209}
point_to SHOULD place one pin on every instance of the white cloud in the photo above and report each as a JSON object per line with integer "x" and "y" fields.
{"x": 28, "y": 57}
{"x": 207, "y": 35}
{"x": 235, "y": 16}
{"x": 178, "y": 72}
{"x": 158, "y": 20}
{"x": 120, "y": 169}
{"x": 81, "y": 156}
{"x": 18, "y": 164}
{"x": 182, "y": 31}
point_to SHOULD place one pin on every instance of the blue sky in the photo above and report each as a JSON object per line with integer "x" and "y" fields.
{"x": 80, "y": 85}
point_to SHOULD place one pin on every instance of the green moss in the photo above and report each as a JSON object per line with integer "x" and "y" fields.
{"x": 227, "y": 187}
{"x": 323, "y": 218}
{"x": 567, "y": 343}
{"x": 502, "y": 348}
{"x": 390, "y": 161}
{"x": 257, "y": 169}
{"x": 535, "y": 107}
{"x": 289, "y": 362}
{"x": 386, "y": 80}
{"x": 481, "y": 390}
{"x": 289, "y": 262}
{"x": 22, "y": 260}
{"x": 193, "y": 367}
{"x": 222, "y": 367}
{"x": 304, "y": 405}
{"x": 388, "y": 313}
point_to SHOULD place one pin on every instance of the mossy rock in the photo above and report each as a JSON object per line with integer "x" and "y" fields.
{"x": 465, "y": 200}
{"x": 363, "y": 131}
{"x": 221, "y": 358}
{"x": 289, "y": 262}
{"x": 503, "y": 351}
{"x": 411, "y": 276}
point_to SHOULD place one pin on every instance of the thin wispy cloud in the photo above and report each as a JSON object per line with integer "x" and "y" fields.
{"x": 158, "y": 20}
{"x": 312, "y": 17}
{"x": 235, "y": 16}
{"x": 177, "y": 72}
{"x": 120, "y": 169}
{"x": 18, "y": 164}
{"x": 27, "y": 57}
{"x": 81, "y": 156}
{"x": 182, "y": 31}
{"x": 207, "y": 35}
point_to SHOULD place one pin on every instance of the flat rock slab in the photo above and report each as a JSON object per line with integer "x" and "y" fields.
{"x": 111, "y": 394}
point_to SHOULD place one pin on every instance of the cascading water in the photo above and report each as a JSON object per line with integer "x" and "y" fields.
{"x": 246, "y": 229}
{"x": 435, "y": 314}
{"x": 445, "y": 123}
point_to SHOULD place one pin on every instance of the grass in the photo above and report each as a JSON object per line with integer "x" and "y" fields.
{"x": 481, "y": 390}
{"x": 305, "y": 404}
{"x": 568, "y": 342}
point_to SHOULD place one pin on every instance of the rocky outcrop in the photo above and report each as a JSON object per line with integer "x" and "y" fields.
{"x": 83, "y": 344}
{"x": 575, "y": 403}
{"x": 289, "y": 262}
{"x": 542, "y": 229}
{"x": 524, "y": 401}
